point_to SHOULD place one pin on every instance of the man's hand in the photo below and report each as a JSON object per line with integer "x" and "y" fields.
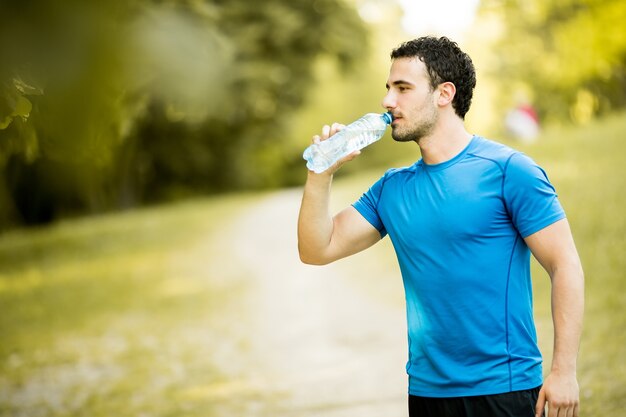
{"x": 560, "y": 391}
{"x": 323, "y": 238}
{"x": 554, "y": 248}
{"x": 327, "y": 132}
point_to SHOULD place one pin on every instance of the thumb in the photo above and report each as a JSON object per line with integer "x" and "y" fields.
{"x": 541, "y": 403}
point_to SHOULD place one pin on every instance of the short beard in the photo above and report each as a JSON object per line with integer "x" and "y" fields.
{"x": 420, "y": 132}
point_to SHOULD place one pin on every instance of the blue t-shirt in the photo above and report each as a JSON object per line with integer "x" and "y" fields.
{"x": 457, "y": 228}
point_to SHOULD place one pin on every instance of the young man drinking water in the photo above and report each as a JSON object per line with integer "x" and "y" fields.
{"x": 463, "y": 221}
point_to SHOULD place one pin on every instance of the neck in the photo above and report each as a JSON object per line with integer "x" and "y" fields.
{"x": 446, "y": 141}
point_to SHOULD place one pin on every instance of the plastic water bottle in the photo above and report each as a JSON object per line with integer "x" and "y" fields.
{"x": 357, "y": 135}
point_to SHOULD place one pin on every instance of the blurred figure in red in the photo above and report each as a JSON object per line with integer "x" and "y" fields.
{"x": 522, "y": 123}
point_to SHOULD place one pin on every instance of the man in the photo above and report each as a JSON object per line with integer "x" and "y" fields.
{"x": 463, "y": 221}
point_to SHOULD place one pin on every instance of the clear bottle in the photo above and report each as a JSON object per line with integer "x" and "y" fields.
{"x": 357, "y": 135}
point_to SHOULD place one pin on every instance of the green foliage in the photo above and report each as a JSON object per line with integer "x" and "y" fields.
{"x": 569, "y": 56}
{"x": 148, "y": 100}
{"x": 13, "y": 102}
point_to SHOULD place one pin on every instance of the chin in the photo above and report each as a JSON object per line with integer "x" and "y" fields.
{"x": 399, "y": 138}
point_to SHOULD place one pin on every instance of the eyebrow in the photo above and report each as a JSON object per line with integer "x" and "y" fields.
{"x": 399, "y": 82}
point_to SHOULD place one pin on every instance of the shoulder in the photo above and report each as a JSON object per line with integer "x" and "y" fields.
{"x": 512, "y": 163}
{"x": 400, "y": 173}
{"x": 489, "y": 150}
{"x": 392, "y": 180}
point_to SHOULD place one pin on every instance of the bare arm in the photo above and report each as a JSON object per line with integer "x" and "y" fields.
{"x": 323, "y": 238}
{"x": 555, "y": 250}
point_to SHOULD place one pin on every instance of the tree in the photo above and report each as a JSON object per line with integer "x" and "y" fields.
{"x": 115, "y": 103}
{"x": 569, "y": 55}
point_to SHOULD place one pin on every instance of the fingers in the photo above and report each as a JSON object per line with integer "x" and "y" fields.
{"x": 555, "y": 410}
{"x": 560, "y": 393}
{"x": 564, "y": 410}
{"x": 336, "y": 127}
{"x": 325, "y": 132}
{"x": 561, "y": 407}
{"x": 541, "y": 403}
{"x": 328, "y": 131}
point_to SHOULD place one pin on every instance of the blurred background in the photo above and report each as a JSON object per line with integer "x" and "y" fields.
{"x": 150, "y": 178}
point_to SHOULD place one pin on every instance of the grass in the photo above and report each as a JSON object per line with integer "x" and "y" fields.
{"x": 118, "y": 314}
{"x": 588, "y": 168}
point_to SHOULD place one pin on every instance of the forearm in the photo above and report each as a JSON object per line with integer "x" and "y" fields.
{"x": 567, "y": 316}
{"x": 315, "y": 223}
{"x": 554, "y": 248}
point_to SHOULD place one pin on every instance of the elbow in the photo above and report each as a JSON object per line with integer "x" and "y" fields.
{"x": 310, "y": 258}
{"x": 581, "y": 272}
{"x": 571, "y": 273}
{"x": 311, "y": 261}
{"x": 578, "y": 270}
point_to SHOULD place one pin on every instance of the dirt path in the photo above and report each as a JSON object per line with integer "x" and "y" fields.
{"x": 319, "y": 339}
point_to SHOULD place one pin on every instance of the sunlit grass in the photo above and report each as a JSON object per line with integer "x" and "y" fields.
{"x": 588, "y": 168}
{"x": 118, "y": 315}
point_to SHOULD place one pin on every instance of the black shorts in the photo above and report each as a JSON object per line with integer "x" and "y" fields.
{"x": 510, "y": 404}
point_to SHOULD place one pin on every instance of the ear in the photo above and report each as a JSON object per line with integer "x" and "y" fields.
{"x": 447, "y": 91}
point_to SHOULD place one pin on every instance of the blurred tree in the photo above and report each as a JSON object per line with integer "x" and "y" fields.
{"x": 269, "y": 72}
{"x": 109, "y": 104}
{"x": 568, "y": 56}
{"x": 66, "y": 61}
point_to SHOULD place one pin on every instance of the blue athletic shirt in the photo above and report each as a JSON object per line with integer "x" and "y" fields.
{"x": 457, "y": 228}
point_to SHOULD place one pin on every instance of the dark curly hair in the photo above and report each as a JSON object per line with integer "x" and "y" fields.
{"x": 445, "y": 62}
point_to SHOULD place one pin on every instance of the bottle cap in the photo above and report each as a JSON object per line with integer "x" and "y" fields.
{"x": 387, "y": 117}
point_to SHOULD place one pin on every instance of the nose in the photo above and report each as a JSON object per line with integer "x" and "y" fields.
{"x": 389, "y": 101}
